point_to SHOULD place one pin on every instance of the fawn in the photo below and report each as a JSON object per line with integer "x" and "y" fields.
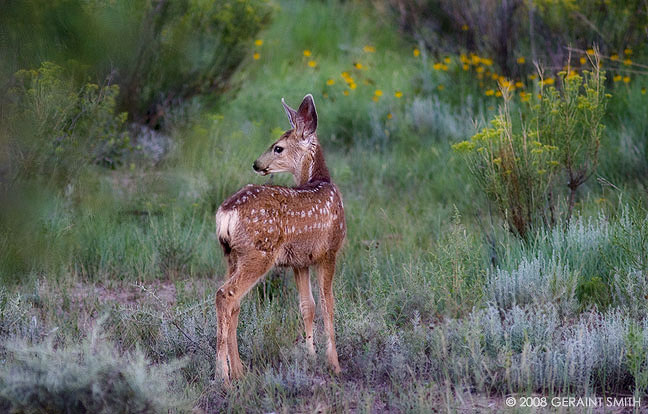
{"x": 262, "y": 226}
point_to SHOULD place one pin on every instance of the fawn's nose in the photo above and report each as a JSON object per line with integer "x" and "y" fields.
{"x": 256, "y": 166}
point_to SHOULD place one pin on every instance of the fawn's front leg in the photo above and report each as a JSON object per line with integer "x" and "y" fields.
{"x": 306, "y": 304}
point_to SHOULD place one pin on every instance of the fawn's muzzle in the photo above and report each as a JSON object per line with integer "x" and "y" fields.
{"x": 258, "y": 169}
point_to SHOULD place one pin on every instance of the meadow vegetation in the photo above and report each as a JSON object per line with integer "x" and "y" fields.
{"x": 497, "y": 214}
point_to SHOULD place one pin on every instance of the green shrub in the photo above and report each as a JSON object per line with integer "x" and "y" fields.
{"x": 518, "y": 165}
{"x": 59, "y": 128}
{"x": 594, "y": 292}
{"x": 158, "y": 53}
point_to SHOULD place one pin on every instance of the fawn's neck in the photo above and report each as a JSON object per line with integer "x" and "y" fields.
{"x": 313, "y": 167}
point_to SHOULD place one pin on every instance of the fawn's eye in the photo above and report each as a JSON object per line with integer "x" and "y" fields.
{"x": 278, "y": 149}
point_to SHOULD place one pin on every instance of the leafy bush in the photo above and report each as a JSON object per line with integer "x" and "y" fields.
{"x": 159, "y": 53}
{"x": 59, "y": 128}
{"x": 517, "y": 165}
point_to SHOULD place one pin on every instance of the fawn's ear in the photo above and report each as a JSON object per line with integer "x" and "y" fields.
{"x": 290, "y": 113}
{"x": 306, "y": 120}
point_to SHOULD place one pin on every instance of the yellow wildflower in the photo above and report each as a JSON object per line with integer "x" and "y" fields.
{"x": 369, "y": 49}
{"x": 353, "y": 85}
{"x": 627, "y": 62}
{"x": 590, "y": 51}
{"x": 398, "y": 94}
{"x": 627, "y": 51}
{"x": 464, "y": 27}
{"x": 330, "y": 82}
{"x": 440, "y": 87}
{"x": 357, "y": 65}
{"x": 375, "y": 98}
{"x": 487, "y": 62}
{"x": 548, "y": 81}
{"x": 475, "y": 60}
{"x": 489, "y": 92}
{"x": 497, "y": 161}
{"x": 448, "y": 60}
{"x": 465, "y": 67}
{"x": 541, "y": 171}
{"x": 389, "y": 116}
{"x": 463, "y": 146}
{"x": 521, "y": 60}
{"x": 614, "y": 57}
{"x": 444, "y": 67}
{"x": 519, "y": 84}
{"x": 643, "y": 91}
{"x": 258, "y": 42}
{"x": 583, "y": 60}
{"x": 479, "y": 69}
{"x": 256, "y": 56}
{"x": 498, "y": 94}
{"x": 378, "y": 92}
{"x": 312, "y": 63}
{"x": 345, "y": 92}
{"x": 617, "y": 78}
{"x": 307, "y": 53}
{"x": 437, "y": 66}
{"x": 416, "y": 52}
{"x": 626, "y": 79}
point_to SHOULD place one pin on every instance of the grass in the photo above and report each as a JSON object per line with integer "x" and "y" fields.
{"x": 438, "y": 306}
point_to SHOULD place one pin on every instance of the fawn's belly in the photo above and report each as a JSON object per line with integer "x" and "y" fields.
{"x": 302, "y": 253}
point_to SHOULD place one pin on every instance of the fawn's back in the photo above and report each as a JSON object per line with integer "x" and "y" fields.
{"x": 296, "y": 226}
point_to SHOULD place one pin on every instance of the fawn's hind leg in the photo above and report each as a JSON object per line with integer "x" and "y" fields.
{"x": 250, "y": 267}
{"x": 236, "y": 367}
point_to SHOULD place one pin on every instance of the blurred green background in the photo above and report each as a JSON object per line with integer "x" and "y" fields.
{"x": 124, "y": 125}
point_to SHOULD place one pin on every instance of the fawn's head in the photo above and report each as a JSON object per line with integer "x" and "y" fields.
{"x": 295, "y": 151}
